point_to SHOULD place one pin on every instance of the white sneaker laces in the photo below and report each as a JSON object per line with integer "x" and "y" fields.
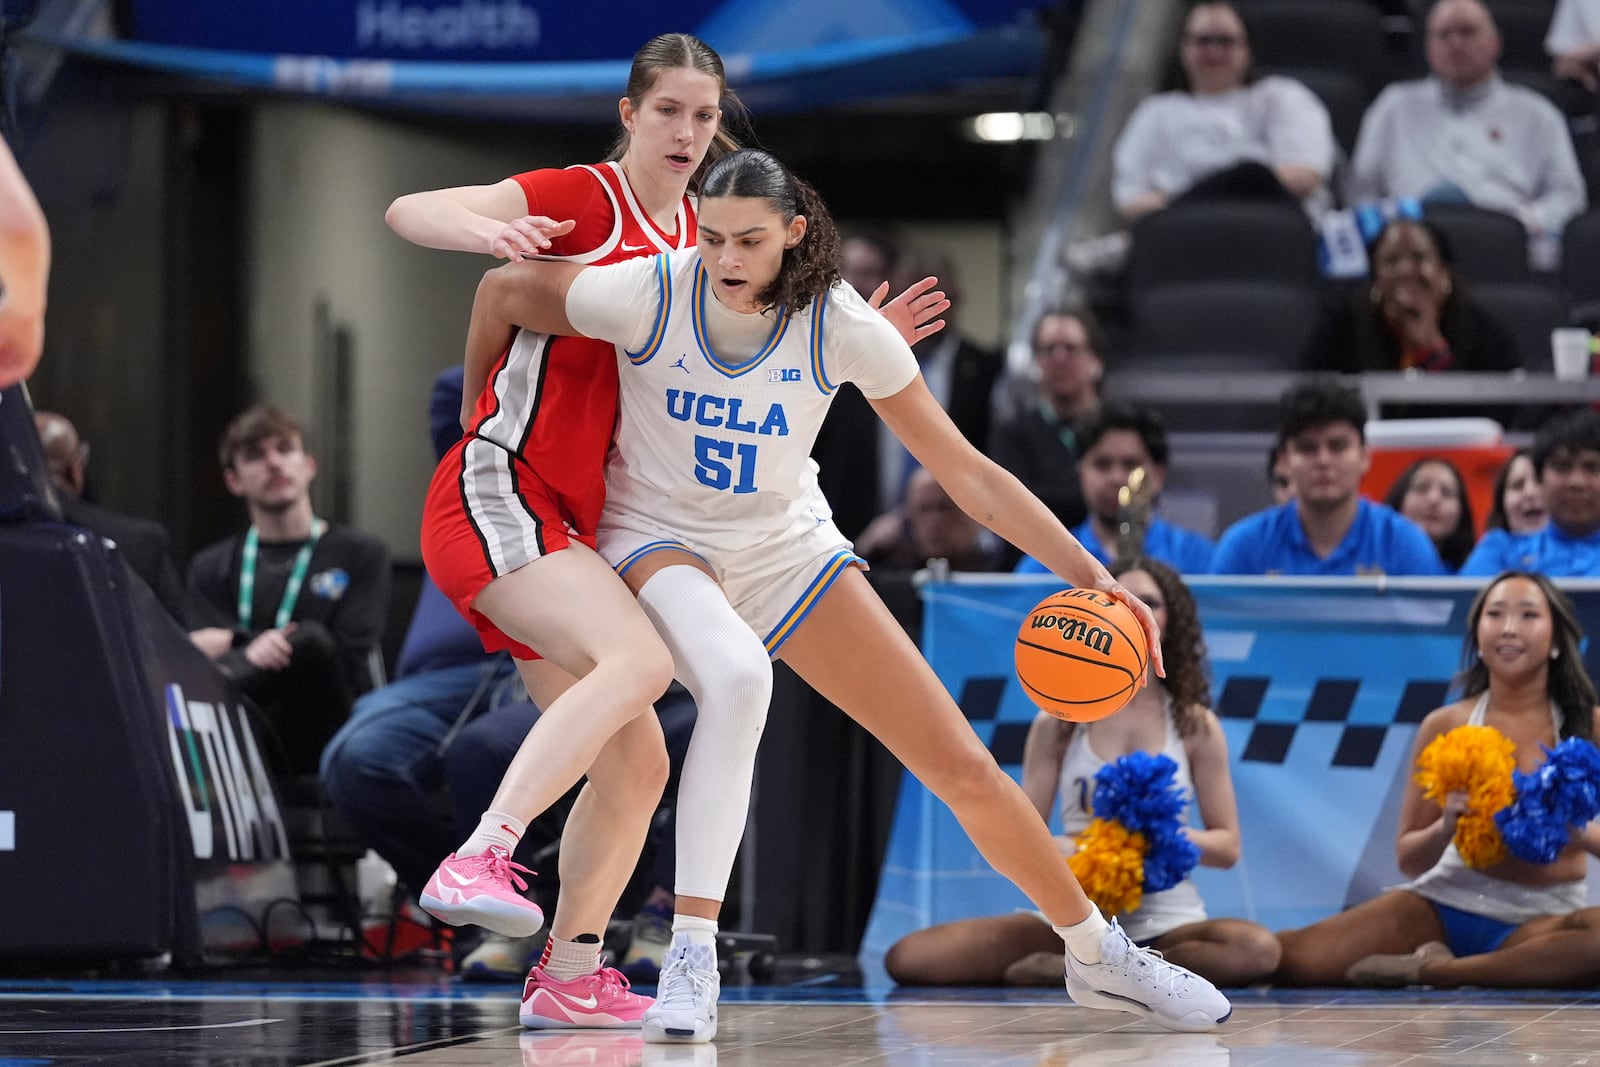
{"x": 1160, "y": 972}
{"x": 683, "y": 987}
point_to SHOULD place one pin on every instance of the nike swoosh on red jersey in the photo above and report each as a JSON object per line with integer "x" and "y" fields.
{"x": 626, "y": 247}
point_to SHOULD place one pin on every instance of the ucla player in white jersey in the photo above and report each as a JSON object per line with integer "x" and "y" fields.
{"x": 729, "y": 357}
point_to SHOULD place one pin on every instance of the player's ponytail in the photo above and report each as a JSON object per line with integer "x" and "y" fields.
{"x": 811, "y": 267}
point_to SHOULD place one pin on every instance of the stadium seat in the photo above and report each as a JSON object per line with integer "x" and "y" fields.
{"x": 1222, "y": 240}
{"x": 1523, "y": 25}
{"x": 1487, "y": 246}
{"x": 1332, "y": 35}
{"x": 1580, "y": 260}
{"x": 1225, "y": 325}
{"x": 1528, "y": 311}
{"x": 1341, "y": 92}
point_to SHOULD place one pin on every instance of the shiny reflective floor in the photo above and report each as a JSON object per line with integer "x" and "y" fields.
{"x": 444, "y": 1021}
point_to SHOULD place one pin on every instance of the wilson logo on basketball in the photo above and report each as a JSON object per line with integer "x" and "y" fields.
{"x": 1094, "y": 637}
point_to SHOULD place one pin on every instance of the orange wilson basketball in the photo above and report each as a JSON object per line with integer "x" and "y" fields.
{"x": 1080, "y": 655}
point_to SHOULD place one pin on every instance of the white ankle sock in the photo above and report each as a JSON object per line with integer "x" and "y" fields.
{"x": 693, "y": 930}
{"x": 494, "y": 828}
{"x": 565, "y": 960}
{"x": 1083, "y": 939}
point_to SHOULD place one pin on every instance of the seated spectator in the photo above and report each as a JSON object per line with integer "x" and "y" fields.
{"x": 1225, "y": 132}
{"x": 1574, "y": 42}
{"x": 1278, "y": 481}
{"x": 1566, "y": 460}
{"x": 1169, "y": 717}
{"x": 1465, "y": 135}
{"x": 1518, "y": 500}
{"x": 850, "y": 430}
{"x": 929, "y": 526}
{"x": 1328, "y": 528}
{"x": 1415, "y": 315}
{"x": 960, "y": 373}
{"x": 1040, "y": 444}
{"x": 1432, "y": 494}
{"x": 1503, "y": 923}
{"x": 869, "y": 258}
{"x": 1116, "y": 442}
{"x": 291, "y": 607}
{"x": 144, "y": 544}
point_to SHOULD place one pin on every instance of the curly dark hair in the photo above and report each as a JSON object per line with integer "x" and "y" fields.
{"x": 1183, "y": 644}
{"x": 811, "y": 267}
{"x": 1569, "y": 684}
{"x": 1456, "y": 545}
{"x": 674, "y": 51}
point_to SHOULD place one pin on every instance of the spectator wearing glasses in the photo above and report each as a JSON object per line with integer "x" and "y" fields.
{"x": 1225, "y": 132}
{"x": 1040, "y": 443}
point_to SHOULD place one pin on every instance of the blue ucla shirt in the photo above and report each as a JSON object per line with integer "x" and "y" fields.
{"x": 1183, "y": 550}
{"x": 1548, "y": 551}
{"x": 1380, "y": 541}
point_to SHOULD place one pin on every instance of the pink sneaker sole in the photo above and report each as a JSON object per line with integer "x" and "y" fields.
{"x": 491, "y": 913}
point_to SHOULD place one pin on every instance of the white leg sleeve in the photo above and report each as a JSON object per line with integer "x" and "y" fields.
{"x": 726, "y": 669}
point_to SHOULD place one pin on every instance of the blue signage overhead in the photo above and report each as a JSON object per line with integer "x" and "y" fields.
{"x": 543, "y": 30}
{"x": 543, "y": 59}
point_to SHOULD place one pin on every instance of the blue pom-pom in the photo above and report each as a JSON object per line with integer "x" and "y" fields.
{"x": 1140, "y": 791}
{"x": 1562, "y": 793}
{"x": 1169, "y": 860}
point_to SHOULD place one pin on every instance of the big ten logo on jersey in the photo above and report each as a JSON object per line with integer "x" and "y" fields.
{"x": 784, "y": 374}
{"x": 721, "y": 463}
{"x": 223, "y": 782}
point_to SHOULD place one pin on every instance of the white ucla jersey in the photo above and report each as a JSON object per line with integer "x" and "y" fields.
{"x": 715, "y": 443}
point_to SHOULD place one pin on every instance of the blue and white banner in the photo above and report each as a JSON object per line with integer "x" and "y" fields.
{"x": 1320, "y": 685}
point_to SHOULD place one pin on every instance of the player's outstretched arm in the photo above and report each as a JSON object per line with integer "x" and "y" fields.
{"x": 994, "y": 497}
{"x": 531, "y": 295}
{"x": 474, "y": 218}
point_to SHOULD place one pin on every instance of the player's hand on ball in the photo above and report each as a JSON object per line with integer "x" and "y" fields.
{"x": 1147, "y": 619}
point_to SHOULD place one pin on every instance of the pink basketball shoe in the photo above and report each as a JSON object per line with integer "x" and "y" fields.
{"x": 601, "y": 1000}
{"x": 482, "y": 890}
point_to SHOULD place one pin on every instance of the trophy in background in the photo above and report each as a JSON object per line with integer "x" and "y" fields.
{"x": 1134, "y": 502}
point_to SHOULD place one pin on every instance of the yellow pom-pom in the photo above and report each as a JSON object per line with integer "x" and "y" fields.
{"x": 1464, "y": 760}
{"x": 1478, "y": 840}
{"x": 1109, "y": 864}
{"x": 1478, "y": 761}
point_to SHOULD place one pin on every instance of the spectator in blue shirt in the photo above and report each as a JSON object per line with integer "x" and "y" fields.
{"x": 1566, "y": 461}
{"x": 1328, "y": 528}
{"x": 1114, "y": 442}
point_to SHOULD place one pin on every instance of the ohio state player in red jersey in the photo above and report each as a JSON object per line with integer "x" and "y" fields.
{"x": 509, "y": 523}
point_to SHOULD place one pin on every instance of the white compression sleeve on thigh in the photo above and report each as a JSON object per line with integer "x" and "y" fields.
{"x": 725, "y": 667}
